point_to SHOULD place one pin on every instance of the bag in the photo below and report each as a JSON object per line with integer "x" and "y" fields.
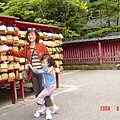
{"x": 25, "y": 73}
{"x": 26, "y": 69}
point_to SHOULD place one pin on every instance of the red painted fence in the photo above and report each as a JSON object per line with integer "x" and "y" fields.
{"x": 96, "y": 52}
{"x": 111, "y": 51}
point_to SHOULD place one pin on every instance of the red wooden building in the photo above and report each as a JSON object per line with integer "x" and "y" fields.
{"x": 13, "y": 21}
{"x": 92, "y": 50}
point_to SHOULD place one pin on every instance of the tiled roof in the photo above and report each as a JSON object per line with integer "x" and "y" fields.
{"x": 110, "y": 36}
{"x": 102, "y": 22}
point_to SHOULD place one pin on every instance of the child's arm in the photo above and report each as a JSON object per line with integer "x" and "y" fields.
{"x": 40, "y": 71}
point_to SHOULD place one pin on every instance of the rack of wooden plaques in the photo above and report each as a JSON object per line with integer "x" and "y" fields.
{"x": 53, "y": 43}
{"x": 10, "y": 67}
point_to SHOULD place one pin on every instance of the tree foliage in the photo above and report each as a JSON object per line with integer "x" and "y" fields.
{"x": 2, "y": 6}
{"x": 107, "y": 12}
{"x": 69, "y": 15}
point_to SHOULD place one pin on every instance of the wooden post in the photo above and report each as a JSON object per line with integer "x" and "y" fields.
{"x": 22, "y": 96}
{"x": 57, "y": 80}
{"x": 13, "y": 91}
{"x": 100, "y": 54}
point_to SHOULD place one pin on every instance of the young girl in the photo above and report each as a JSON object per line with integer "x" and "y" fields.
{"x": 48, "y": 82}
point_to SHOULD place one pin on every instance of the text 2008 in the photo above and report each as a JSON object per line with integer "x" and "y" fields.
{"x": 107, "y": 108}
{"x": 104, "y": 108}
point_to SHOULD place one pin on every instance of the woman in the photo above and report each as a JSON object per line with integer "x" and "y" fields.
{"x": 35, "y": 51}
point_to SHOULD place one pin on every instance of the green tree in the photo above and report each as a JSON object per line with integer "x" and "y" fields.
{"x": 107, "y": 12}
{"x": 4, "y": 1}
{"x": 24, "y": 9}
{"x": 2, "y": 6}
{"x": 70, "y": 15}
{"x": 67, "y": 14}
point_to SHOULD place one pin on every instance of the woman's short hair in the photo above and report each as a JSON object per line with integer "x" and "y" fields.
{"x": 30, "y": 30}
{"x": 50, "y": 60}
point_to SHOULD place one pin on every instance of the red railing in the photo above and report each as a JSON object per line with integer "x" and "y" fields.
{"x": 92, "y": 52}
{"x": 111, "y": 51}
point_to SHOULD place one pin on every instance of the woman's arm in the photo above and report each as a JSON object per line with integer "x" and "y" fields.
{"x": 40, "y": 71}
{"x": 21, "y": 53}
{"x": 10, "y": 50}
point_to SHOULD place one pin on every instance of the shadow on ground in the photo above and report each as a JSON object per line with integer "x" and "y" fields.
{"x": 5, "y": 93}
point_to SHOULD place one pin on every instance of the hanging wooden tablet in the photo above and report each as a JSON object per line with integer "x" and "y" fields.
{"x": 53, "y": 44}
{"x": 4, "y": 53}
{"x": 21, "y": 60}
{"x": 3, "y": 39}
{"x": 4, "y": 76}
{"x": 60, "y": 43}
{"x": 15, "y": 39}
{"x": 16, "y": 59}
{"x": 54, "y": 49}
{"x": 16, "y": 65}
{"x": 41, "y": 35}
{"x": 15, "y": 48}
{"x": 16, "y": 29}
{"x": 61, "y": 68}
{"x": 50, "y": 49}
{"x": 56, "y": 37}
{"x": 9, "y": 39}
{"x": 61, "y": 36}
{"x": 10, "y": 58}
{"x": 57, "y": 49}
{"x": 57, "y": 70}
{"x": 61, "y": 56}
{"x": 3, "y": 29}
{"x": 60, "y": 49}
{"x": 3, "y": 58}
{"x": 21, "y": 68}
{"x": 21, "y": 34}
{"x": 45, "y": 42}
{"x": 3, "y": 49}
{"x": 50, "y": 36}
{"x": 11, "y": 66}
{"x": 20, "y": 76}
{"x": 21, "y": 43}
{"x": 57, "y": 63}
{"x": 57, "y": 42}
{"x": 49, "y": 43}
{"x": 10, "y": 30}
{"x": 4, "y": 67}
{"x": 56, "y": 56}
{"x": 11, "y": 77}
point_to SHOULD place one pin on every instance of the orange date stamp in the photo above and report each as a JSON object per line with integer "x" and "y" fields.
{"x": 108, "y": 108}
{"x": 104, "y": 108}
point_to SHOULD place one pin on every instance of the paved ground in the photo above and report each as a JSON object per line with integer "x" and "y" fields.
{"x": 83, "y": 95}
